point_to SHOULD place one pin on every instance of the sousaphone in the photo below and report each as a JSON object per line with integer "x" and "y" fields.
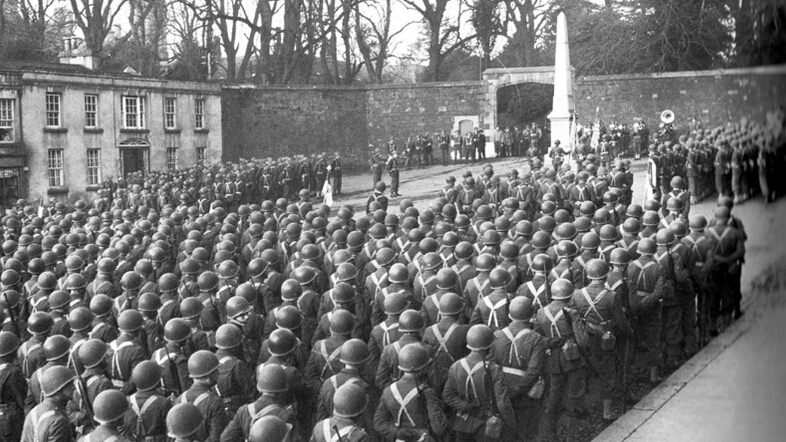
{"x": 667, "y": 116}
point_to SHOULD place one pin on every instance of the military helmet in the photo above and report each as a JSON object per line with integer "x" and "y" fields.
{"x": 201, "y": 364}
{"x": 109, "y": 406}
{"x": 597, "y": 269}
{"x": 183, "y": 420}
{"x": 92, "y": 352}
{"x": 282, "y": 342}
{"x": 9, "y": 343}
{"x": 56, "y": 347}
{"x": 271, "y": 379}
{"x": 176, "y": 330}
{"x": 55, "y": 379}
{"x": 413, "y": 358}
{"x": 520, "y": 309}
{"x": 480, "y": 337}
{"x": 562, "y": 289}
{"x": 146, "y": 375}
{"x": 410, "y": 321}
{"x": 349, "y": 400}
{"x": 354, "y": 352}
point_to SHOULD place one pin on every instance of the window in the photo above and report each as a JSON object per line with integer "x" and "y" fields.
{"x": 170, "y": 104}
{"x": 6, "y": 119}
{"x": 199, "y": 112}
{"x": 52, "y": 109}
{"x": 91, "y": 110}
{"x": 93, "y": 167}
{"x": 133, "y": 112}
{"x": 171, "y": 158}
{"x": 200, "y": 151}
{"x": 55, "y": 163}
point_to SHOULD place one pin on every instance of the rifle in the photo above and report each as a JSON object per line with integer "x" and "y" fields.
{"x": 174, "y": 372}
{"x": 424, "y": 403}
{"x": 11, "y": 314}
{"x": 83, "y": 392}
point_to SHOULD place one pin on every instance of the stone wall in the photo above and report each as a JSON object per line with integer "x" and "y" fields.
{"x": 281, "y": 121}
{"x": 284, "y": 121}
{"x": 398, "y": 111}
{"x": 712, "y": 97}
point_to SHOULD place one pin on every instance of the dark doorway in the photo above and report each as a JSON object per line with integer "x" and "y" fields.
{"x": 522, "y": 104}
{"x": 466, "y": 126}
{"x": 133, "y": 160}
{"x": 9, "y": 186}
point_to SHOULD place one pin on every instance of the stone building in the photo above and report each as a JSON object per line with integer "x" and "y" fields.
{"x": 66, "y": 129}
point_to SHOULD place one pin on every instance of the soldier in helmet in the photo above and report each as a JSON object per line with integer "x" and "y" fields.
{"x": 350, "y": 401}
{"x": 203, "y": 370}
{"x": 476, "y": 392}
{"x": 126, "y": 351}
{"x": 12, "y": 388}
{"x": 646, "y": 285}
{"x": 409, "y": 410}
{"x": 146, "y": 417}
{"x": 272, "y": 383}
{"x": 522, "y": 355}
{"x": 111, "y": 407}
{"x": 564, "y": 328}
{"x": 392, "y": 168}
{"x": 183, "y": 422}
{"x": 48, "y": 421}
{"x": 173, "y": 358}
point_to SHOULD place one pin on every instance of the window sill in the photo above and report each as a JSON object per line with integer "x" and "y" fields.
{"x": 94, "y": 188}
{"x": 57, "y": 190}
{"x": 56, "y": 130}
{"x": 93, "y": 130}
{"x": 172, "y": 131}
{"x": 201, "y": 131}
{"x": 134, "y": 131}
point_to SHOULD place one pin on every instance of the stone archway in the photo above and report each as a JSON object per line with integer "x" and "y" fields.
{"x": 498, "y": 78}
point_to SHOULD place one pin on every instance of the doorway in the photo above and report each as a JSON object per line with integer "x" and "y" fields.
{"x": 134, "y": 153}
{"x": 9, "y": 187}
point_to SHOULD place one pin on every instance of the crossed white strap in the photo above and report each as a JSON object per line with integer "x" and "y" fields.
{"x": 403, "y": 402}
{"x": 329, "y": 358}
{"x": 470, "y": 371}
{"x": 554, "y": 319}
{"x": 593, "y": 303}
{"x": 493, "y": 310}
{"x": 443, "y": 340}
{"x": 386, "y": 332}
{"x": 513, "y": 354}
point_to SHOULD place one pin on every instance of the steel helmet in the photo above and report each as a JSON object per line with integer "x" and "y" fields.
{"x": 269, "y": 429}
{"x": 520, "y": 309}
{"x": 608, "y": 233}
{"x": 413, "y": 358}
{"x": 597, "y": 269}
{"x": 646, "y": 247}
{"x": 9, "y": 343}
{"x": 288, "y": 317}
{"x": 147, "y": 375}
{"x": 343, "y": 293}
{"x": 410, "y": 321}
{"x": 499, "y": 278}
{"x": 619, "y": 256}
{"x": 567, "y": 249}
{"x": 183, "y": 420}
{"x": 56, "y": 347}
{"x": 540, "y": 240}
{"x": 698, "y": 223}
{"x": 346, "y": 272}
{"x": 109, "y": 405}
{"x": 447, "y": 279}
{"x": 485, "y": 262}
{"x": 480, "y": 337}
{"x": 562, "y": 289}
{"x": 342, "y": 322}
{"x": 47, "y": 281}
{"x": 201, "y": 364}
{"x": 665, "y": 237}
{"x": 40, "y": 323}
{"x": 354, "y": 352}
{"x": 304, "y": 275}
{"x": 92, "y": 352}
{"x": 168, "y": 282}
{"x": 271, "y": 378}
{"x": 130, "y": 320}
{"x": 81, "y": 318}
{"x": 176, "y": 330}
{"x": 55, "y": 379}
{"x": 674, "y": 204}
{"x": 395, "y": 303}
{"x": 565, "y": 231}
{"x": 450, "y": 304}
{"x": 349, "y": 400}
{"x": 191, "y": 308}
{"x": 291, "y": 290}
{"x": 679, "y": 228}
{"x": 58, "y": 299}
{"x": 541, "y": 263}
{"x": 237, "y": 306}
{"x": 282, "y": 342}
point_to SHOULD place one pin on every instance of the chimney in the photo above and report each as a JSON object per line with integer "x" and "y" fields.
{"x": 74, "y": 53}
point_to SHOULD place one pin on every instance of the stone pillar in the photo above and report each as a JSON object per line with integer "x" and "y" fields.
{"x": 562, "y": 107}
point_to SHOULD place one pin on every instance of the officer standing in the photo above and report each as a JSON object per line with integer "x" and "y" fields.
{"x": 393, "y": 170}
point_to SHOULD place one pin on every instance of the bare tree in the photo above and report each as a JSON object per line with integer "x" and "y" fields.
{"x": 373, "y": 20}
{"x": 485, "y": 16}
{"x": 530, "y": 18}
{"x": 443, "y": 35}
{"x": 95, "y": 18}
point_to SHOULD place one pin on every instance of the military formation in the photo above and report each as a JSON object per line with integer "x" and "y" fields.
{"x": 216, "y": 304}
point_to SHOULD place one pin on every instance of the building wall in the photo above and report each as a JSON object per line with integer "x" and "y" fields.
{"x": 712, "y": 97}
{"x": 75, "y": 139}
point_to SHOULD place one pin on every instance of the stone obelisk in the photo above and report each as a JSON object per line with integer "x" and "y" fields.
{"x": 562, "y": 107}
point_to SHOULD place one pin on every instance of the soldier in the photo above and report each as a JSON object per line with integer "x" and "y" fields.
{"x": 173, "y": 358}
{"x": 727, "y": 249}
{"x": 235, "y": 381}
{"x": 411, "y": 326}
{"x": 646, "y": 285}
{"x": 146, "y": 417}
{"x": 476, "y": 392}
{"x": 699, "y": 244}
{"x": 409, "y": 410}
{"x": 203, "y": 370}
{"x": 324, "y": 359}
{"x": 47, "y": 421}
{"x": 110, "y": 406}
{"x": 126, "y": 351}
{"x": 492, "y": 309}
{"x": 12, "y": 394}
{"x": 522, "y": 354}
{"x": 563, "y": 327}
{"x": 350, "y": 401}
{"x": 183, "y": 422}
{"x": 602, "y": 311}
{"x": 272, "y": 383}
{"x": 379, "y": 197}
{"x": 355, "y": 357}
{"x": 393, "y": 170}
{"x": 376, "y": 167}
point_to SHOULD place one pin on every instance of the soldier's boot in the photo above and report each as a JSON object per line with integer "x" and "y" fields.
{"x": 609, "y": 413}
